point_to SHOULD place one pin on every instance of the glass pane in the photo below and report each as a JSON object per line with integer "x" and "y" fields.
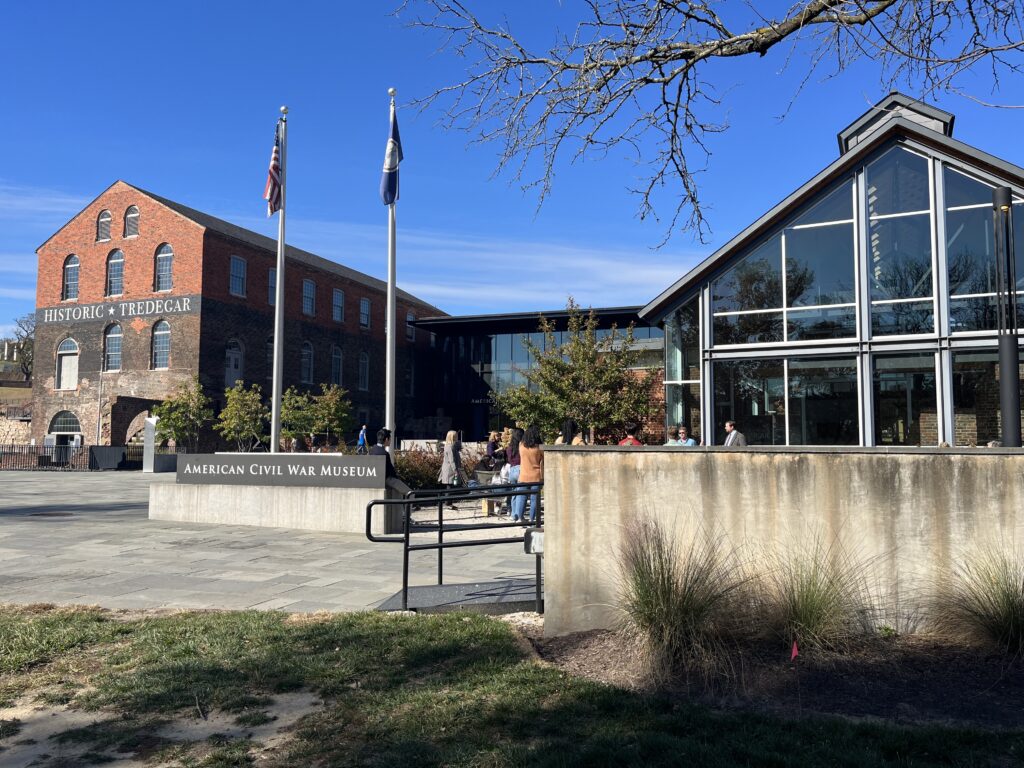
{"x": 963, "y": 190}
{"x": 751, "y": 392}
{"x": 838, "y": 323}
{"x": 682, "y": 407}
{"x": 837, "y": 206}
{"x": 904, "y": 400}
{"x": 976, "y": 415}
{"x": 1018, "y": 244}
{"x": 503, "y": 349}
{"x": 897, "y": 183}
{"x": 755, "y": 282}
{"x": 682, "y": 347}
{"x": 823, "y": 402}
{"x": 970, "y": 251}
{"x": 903, "y": 318}
{"x": 819, "y": 265}
{"x": 519, "y": 354}
{"x": 900, "y": 258}
{"x": 748, "y": 329}
{"x": 973, "y": 314}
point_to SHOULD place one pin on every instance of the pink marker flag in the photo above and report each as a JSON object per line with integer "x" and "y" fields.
{"x": 795, "y": 652}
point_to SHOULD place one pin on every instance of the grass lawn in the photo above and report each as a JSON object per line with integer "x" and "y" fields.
{"x": 398, "y": 690}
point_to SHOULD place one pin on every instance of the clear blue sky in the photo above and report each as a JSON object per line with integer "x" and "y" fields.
{"x": 180, "y": 98}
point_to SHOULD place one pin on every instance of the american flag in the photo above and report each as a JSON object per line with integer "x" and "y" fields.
{"x": 272, "y": 192}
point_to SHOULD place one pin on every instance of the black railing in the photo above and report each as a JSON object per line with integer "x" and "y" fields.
{"x": 441, "y": 497}
{"x": 53, "y": 458}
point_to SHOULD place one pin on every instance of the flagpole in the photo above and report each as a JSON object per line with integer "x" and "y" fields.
{"x": 389, "y": 407}
{"x": 275, "y": 396}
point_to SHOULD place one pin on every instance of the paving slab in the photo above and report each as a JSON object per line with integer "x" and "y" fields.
{"x": 106, "y": 551}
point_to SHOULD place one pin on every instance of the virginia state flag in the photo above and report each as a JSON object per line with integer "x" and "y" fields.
{"x": 392, "y": 157}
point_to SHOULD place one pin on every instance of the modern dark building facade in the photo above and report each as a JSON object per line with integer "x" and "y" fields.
{"x": 860, "y": 310}
{"x": 137, "y": 294}
{"x": 479, "y": 356}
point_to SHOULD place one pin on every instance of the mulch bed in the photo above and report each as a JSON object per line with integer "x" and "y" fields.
{"x": 913, "y": 679}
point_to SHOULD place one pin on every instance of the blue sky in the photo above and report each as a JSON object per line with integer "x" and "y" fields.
{"x": 180, "y": 98}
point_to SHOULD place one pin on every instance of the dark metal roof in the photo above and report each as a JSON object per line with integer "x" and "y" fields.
{"x": 894, "y": 105}
{"x": 524, "y": 322}
{"x": 895, "y": 127}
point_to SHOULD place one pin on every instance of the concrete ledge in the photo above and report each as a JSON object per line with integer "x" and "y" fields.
{"x": 336, "y": 510}
{"x": 913, "y": 513}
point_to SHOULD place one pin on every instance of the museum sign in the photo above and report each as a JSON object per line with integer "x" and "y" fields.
{"x": 328, "y": 470}
{"x": 119, "y": 310}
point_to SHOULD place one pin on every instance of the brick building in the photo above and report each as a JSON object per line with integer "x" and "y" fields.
{"x": 137, "y": 294}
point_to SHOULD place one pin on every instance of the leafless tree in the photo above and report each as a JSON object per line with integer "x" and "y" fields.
{"x": 24, "y": 336}
{"x": 640, "y": 74}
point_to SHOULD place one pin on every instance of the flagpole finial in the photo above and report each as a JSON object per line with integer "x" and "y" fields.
{"x": 392, "y": 92}
{"x": 284, "y": 111}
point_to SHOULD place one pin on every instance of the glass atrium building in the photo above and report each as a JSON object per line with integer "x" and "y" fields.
{"x": 861, "y": 310}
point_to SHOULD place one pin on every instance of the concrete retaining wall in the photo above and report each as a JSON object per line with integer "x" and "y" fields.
{"x": 339, "y": 510}
{"x": 913, "y": 512}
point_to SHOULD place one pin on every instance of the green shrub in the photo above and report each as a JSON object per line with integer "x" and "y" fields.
{"x": 985, "y": 600}
{"x": 418, "y": 469}
{"x": 681, "y": 603}
{"x": 817, "y": 595}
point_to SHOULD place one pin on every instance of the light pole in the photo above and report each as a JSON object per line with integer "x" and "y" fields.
{"x": 1006, "y": 285}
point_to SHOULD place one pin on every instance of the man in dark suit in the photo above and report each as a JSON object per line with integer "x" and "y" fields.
{"x": 381, "y": 449}
{"x": 733, "y": 437}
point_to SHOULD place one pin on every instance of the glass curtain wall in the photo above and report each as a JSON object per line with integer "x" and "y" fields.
{"x": 799, "y": 285}
{"x": 905, "y": 405}
{"x": 976, "y": 417}
{"x": 682, "y": 368}
{"x": 900, "y": 244}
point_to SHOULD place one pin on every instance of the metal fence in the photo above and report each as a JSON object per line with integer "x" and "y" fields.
{"x": 52, "y": 458}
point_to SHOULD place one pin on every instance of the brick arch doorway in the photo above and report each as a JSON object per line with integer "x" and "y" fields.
{"x": 128, "y": 418}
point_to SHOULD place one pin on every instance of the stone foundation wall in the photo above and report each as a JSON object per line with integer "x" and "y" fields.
{"x": 11, "y": 431}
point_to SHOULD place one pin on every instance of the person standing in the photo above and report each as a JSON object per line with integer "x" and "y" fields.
{"x": 532, "y": 471}
{"x": 570, "y": 434}
{"x": 630, "y": 438}
{"x": 493, "y": 447}
{"x": 513, "y": 460}
{"x": 451, "y": 465}
{"x": 361, "y": 444}
{"x": 673, "y": 436}
{"x": 381, "y": 449}
{"x": 733, "y": 437}
{"x": 684, "y": 437}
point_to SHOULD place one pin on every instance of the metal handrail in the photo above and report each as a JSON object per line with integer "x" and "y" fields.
{"x": 441, "y": 496}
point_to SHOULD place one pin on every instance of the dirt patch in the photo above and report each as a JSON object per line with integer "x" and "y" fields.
{"x": 35, "y": 730}
{"x": 914, "y": 679}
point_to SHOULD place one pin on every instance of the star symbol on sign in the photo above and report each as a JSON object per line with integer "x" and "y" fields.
{"x": 110, "y": 311}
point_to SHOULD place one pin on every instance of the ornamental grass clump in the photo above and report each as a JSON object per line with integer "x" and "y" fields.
{"x": 984, "y": 600}
{"x": 681, "y": 602}
{"x": 817, "y": 595}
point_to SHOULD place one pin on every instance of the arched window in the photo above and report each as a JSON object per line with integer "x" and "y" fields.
{"x": 336, "y": 361}
{"x": 162, "y": 268}
{"x": 65, "y": 423}
{"x": 69, "y": 286}
{"x": 115, "y": 273}
{"x": 364, "y": 371}
{"x": 112, "y": 348}
{"x": 161, "y": 344}
{"x": 67, "y": 365}
{"x": 410, "y": 329}
{"x": 131, "y": 221}
{"x": 306, "y": 372}
{"x": 233, "y": 356}
{"x": 103, "y": 226}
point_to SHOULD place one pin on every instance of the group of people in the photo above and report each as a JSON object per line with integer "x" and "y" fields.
{"x": 681, "y": 436}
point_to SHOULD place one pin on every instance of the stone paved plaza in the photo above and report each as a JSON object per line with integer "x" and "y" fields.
{"x": 85, "y": 538}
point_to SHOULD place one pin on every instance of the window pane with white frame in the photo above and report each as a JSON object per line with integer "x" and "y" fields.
{"x": 112, "y": 348}
{"x": 336, "y": 365}
{"x": 338, "y": 305}
{"x": 308, "y": 297}
{"x": 306, "y": 370}
{"x": 410, "y": 329}
{"x": 67, "y": 365}
{"x": 237, "y": 281}
{"x": 364, "y": 371}
{"x": 163, "y": 268}
{"x": 103, "y": 226}
{"x": 161, "y": 344}
{"x": 271, "y": 286}
{"x": 131, "y": 221}
{"x": 69, "y": 282}
{"x": 364, "y": 313}
{"x": 115, "y": 273}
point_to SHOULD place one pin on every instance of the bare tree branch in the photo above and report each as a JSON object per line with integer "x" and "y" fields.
{"x": 637, "y": 74}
